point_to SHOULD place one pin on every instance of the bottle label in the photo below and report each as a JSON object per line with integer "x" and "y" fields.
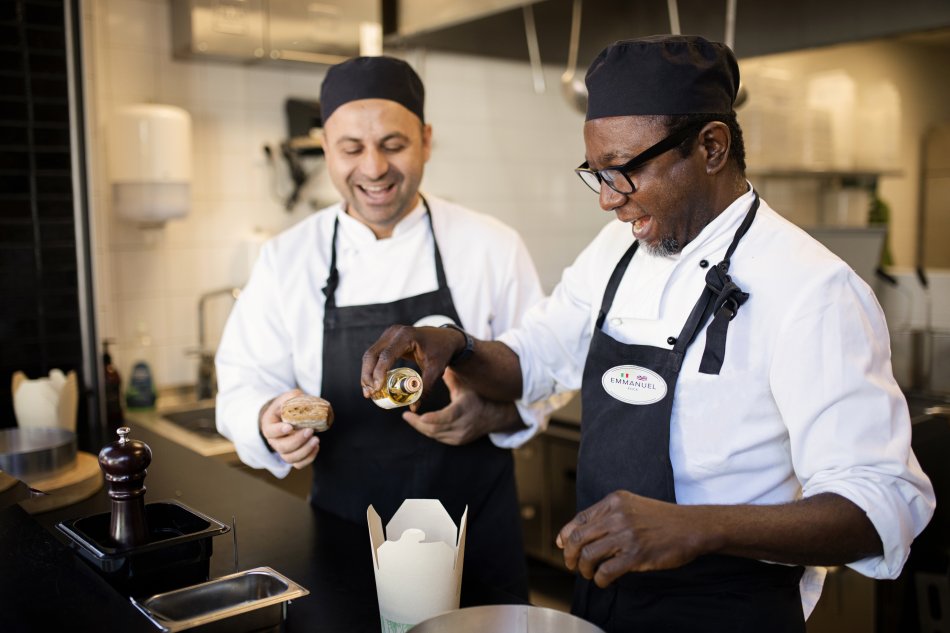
{"x": 386, "y": 403}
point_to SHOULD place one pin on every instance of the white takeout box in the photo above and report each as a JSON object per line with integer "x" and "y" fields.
{"x": 418, "y": 563}
{"x": 46, "y": 401}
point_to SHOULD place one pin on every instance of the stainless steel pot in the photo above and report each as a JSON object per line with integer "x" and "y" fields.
{"x": 34, "y": 453}
{"x": 505, "y": 618}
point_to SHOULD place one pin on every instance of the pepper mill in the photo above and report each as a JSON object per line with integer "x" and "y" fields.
{"x": 124, "y": 464}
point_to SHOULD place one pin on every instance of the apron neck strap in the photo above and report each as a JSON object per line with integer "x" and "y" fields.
{"x": 614, "y": 283}
{"x": 621, "y": 266}
{"x": 740, "y": 233}
{"x": 439, "y": 269}
{"x": 718, "y": 291}
{"x": 333, "y": 278}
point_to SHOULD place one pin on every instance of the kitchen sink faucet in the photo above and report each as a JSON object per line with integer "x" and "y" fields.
{"x": 207, "y": 385}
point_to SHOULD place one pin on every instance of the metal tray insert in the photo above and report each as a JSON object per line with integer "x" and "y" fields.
{"x": 505, "y": 618}
{"x": 235, "y": 598}
{"x": 170, "y": 522}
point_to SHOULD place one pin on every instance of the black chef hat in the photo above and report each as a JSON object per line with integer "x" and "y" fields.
{"x": 372, "y": 78}
{"x": 662, "y": 74}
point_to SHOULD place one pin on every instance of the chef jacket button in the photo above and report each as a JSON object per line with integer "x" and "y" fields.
{"x": 703, "y": 263}
{"x": 616, "y": 321}
{"x": 671, "y": 340}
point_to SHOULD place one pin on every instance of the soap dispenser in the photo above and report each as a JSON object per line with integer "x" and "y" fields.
{"x": 140, "y": 393}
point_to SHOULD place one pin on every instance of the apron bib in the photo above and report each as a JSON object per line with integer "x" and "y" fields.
{"x": 372, "y": 456}
{"x": 627, "y": 400}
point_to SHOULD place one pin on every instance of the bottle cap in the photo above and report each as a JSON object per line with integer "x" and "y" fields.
{"x": 412, "y": 384}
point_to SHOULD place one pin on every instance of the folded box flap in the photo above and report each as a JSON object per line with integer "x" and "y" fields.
{"x": 412, "y": 555}
{"x": 460, "y": 546}
{"x": 427, "y": 515}
{"x": 376, "y": 537}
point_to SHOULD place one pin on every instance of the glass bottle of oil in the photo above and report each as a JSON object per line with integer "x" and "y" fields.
{"x": 403, "y": 386}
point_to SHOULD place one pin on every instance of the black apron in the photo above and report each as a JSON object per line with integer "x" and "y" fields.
{"x": 372, "y": 456}
{"x": 625, "y": 446}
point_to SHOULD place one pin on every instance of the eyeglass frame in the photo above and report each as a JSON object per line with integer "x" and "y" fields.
{"x": 660, "y": 147}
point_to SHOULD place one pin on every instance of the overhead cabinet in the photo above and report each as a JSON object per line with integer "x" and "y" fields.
{"x": 318, "y": 32}
{"x": 228, "y": 30}
{"x": 251, "y": 31}
{"x": 414, "y": 17}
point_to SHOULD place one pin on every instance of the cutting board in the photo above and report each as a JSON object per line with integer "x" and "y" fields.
{"x": 68, "y": 487}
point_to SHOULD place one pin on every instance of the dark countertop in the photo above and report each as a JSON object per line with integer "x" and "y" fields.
{"x": 919, "y": 403}
{"x": 44, "y": 586}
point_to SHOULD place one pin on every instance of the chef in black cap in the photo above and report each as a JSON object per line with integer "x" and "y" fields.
{"x": 741, "y": 423}
{"x": 325, "y": 289}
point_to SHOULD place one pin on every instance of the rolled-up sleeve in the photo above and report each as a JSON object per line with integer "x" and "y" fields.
{"x": 848, "y": 423}
{"x": 518, "y": 292}
{"x": 554, "y": 336}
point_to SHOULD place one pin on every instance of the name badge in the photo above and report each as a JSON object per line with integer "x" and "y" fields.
{"x": 633, "y": 384}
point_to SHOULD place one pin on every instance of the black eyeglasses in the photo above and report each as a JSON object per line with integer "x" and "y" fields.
{"x": 616, "y": 177}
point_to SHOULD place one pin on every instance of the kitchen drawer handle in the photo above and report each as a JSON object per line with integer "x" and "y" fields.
{"x": 570, "y": 473}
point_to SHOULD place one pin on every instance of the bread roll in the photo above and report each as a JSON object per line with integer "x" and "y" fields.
{"x": 307, "y": 412}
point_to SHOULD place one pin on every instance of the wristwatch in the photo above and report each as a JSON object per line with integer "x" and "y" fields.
{"x": 469, "y": 349}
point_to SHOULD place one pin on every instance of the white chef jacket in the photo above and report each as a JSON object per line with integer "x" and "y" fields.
{"x": 273, "y": 339}
{"x": 806, "y": 401}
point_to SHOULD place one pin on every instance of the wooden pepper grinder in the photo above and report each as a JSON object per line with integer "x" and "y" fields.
{"x": 124, "y": 464}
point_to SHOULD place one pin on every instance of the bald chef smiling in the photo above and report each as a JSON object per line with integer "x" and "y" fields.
{"x": 741, "y": 423}
{"x": 325, "y": 289}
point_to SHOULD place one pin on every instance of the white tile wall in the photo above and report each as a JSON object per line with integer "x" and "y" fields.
{"x": 498, "y": 147}
{"x": 503, "y": 149}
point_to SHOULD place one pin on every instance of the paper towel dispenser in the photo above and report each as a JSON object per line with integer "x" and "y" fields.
{"x": 150, "y": 163}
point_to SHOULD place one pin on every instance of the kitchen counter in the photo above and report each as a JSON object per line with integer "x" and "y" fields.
{"x": 181, "y": 400}
{"x": 218, "y": 447}
{"x": 570, "y": 412}
{"x": 326, "y": 555}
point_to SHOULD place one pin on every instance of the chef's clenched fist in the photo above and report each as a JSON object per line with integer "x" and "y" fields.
{"x": 430, "y": 347}
{"x": 625, "y": 532}
{"x": 296, "y": 447}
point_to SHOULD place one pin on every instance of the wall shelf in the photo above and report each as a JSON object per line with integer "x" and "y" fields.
{"x": 825, "y": 174}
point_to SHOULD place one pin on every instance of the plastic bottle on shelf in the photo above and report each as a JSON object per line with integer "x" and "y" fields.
{"x": 140, "y": 393}
{"x": 113, "y": 388}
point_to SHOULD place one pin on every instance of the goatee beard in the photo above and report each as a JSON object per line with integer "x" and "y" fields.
{"x": 664, "y": 248}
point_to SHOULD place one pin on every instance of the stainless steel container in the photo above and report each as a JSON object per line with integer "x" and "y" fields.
{"x": 252, "y": 600}
{"x": 177, "y": 552}
{"x": 505, "y": 618}
{"x": 34, "y": 453}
